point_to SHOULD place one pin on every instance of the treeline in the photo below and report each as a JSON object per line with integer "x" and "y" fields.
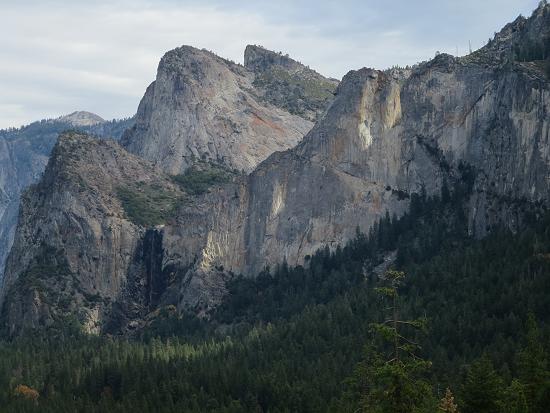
{"x": 295, "y": 339}
{"x": 530, "y": 50}
{"x": 52, "y": 127}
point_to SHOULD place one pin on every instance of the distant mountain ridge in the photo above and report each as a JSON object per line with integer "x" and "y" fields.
{"x": 81, "y": 118}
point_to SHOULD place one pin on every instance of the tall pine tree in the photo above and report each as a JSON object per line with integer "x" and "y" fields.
{"x": 392, "y": 377}
{"x": 483, "y": 389}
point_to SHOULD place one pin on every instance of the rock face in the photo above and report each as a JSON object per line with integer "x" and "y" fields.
{"x": 482, "y": 119}
{"x": 386, "y": 135}
{"x": 21, "y": 163}
{"x": 203, "y": 107}
{"x": 76, "y": 250}
{"x": 24, "y": 153}
{"x": 210, "y": 99}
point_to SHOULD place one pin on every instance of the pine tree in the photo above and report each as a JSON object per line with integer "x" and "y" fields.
{"x": 394, "y": 381}
{"x": 516, "y": 401}
{"x": 533, "y": 369}
{"x": 482, "y": 391}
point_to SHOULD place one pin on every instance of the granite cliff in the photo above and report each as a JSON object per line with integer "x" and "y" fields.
{"x": 481, "y": 120}
{"x": 24, "y": 153}
{"x": 204, "y": 107}
{"x": 76, "y": 244}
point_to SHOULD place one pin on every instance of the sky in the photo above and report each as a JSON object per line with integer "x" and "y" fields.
{"x": 59, "y": 56}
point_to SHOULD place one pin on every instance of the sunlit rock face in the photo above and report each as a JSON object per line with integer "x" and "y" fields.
{"x": 202, "y": 106}
{"x": 205, "y": 107}
{"x": 481, "y": 119}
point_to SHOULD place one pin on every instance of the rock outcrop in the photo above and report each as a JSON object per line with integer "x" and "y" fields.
{"x": 24, "y": 153}
{"x": 77, "y": 245}
{"x": 203, "y": 107}
{"x": 387, "y": 134}
{"x": 481, "y": 120}
{"x": 289, "y": 84}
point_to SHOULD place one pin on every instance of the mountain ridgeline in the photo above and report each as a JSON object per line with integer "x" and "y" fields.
{"x": 214, "y": 179}
{"x": 206, "y": 121}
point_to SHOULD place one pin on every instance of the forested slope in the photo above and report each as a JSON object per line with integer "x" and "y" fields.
{"x": 291, "y": 339}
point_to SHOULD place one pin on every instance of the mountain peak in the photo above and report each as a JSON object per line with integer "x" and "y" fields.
{"x": 258, "y": 59}
{"x": 81, "y": 118}
{"x": 202, "y": 106}
{"x": 278, "y": 76}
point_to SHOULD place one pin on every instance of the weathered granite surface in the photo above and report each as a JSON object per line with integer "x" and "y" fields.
{"x": 76, "y": 250}
{"x": 202, "y": 106}
{"x": 24, "y": 153}
{"x": 386, "y": 135}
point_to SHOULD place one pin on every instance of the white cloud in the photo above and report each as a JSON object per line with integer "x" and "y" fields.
{"x": 91, "y": 52}
{"x": 61, "y": 56}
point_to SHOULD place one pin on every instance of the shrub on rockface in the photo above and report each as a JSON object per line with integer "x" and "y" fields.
{"x": 201, "y": 177}
{"x": 148, "y": 204}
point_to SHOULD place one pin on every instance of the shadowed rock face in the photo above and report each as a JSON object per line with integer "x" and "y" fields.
{"x": 77, "y": 250}
{"x": 24, "y": 153}
{"x": 386, "y": 135}
{"x": 22, "y": 160}
{"x": 203, "y": 107}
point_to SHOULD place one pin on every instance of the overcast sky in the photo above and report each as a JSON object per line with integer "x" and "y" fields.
{"x": 59, "y": 56}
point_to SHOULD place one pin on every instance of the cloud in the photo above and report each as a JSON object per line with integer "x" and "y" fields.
{"x": 59, "y": 56}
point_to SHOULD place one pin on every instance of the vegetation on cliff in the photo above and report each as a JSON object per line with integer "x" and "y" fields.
{"x": 148, "y": 204}
{"x": 202, "y": 176}
{"x": 298, "y": 93}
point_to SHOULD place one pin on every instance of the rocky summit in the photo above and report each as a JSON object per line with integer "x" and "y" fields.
{"x": 79, "y": 237}
{"x": 289, "y": 84}
{"x": 226, "y": 126}
{"x": 81, "y": 118}
{"x": 206, "y": 108}
{"x": 110, "y": 235}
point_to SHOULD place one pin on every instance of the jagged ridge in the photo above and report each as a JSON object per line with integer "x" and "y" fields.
{"x": 289, "y": 84}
